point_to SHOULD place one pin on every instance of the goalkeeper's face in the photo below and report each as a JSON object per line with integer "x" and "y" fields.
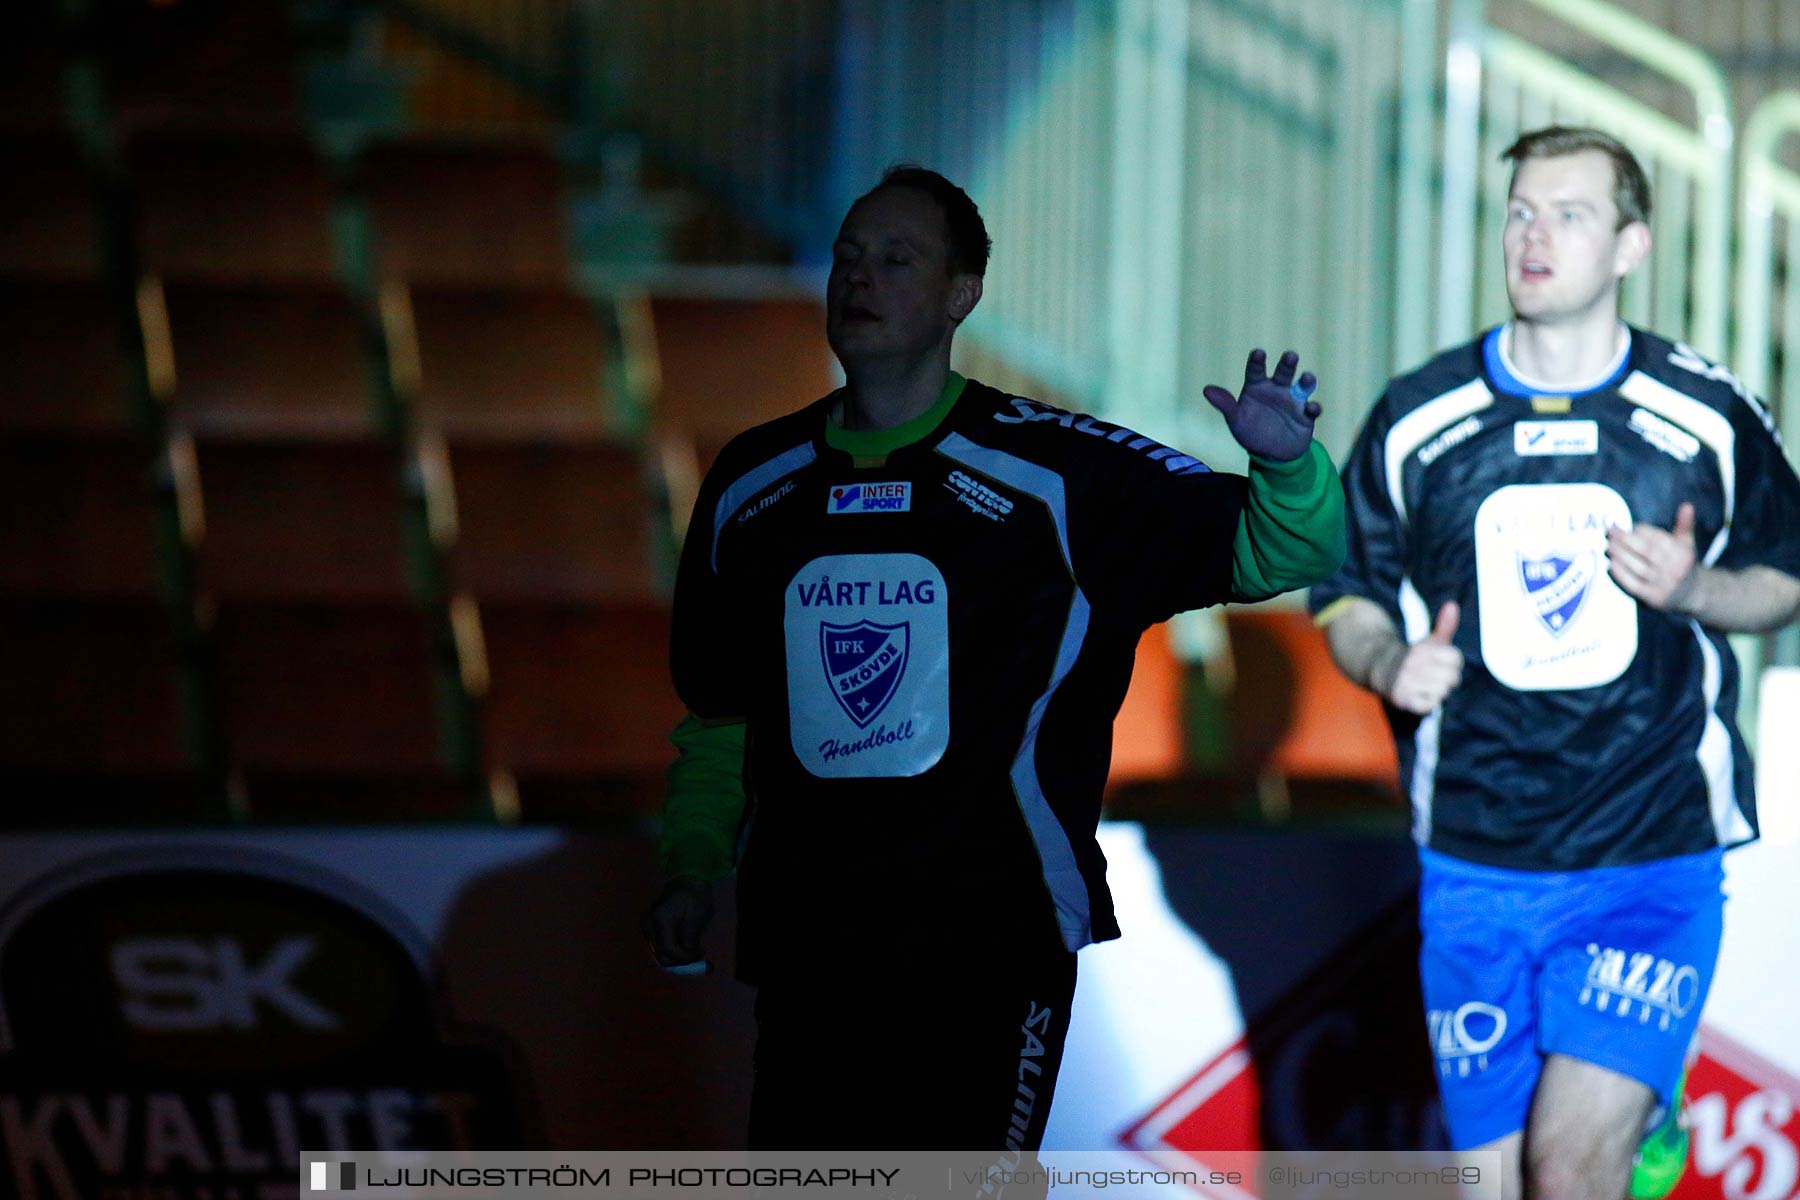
{"x": 891, "y": 293}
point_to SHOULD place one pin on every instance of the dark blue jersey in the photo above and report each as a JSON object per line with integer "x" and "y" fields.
{"x": 929, "y": 649}
{"x": 1589, "y": 729}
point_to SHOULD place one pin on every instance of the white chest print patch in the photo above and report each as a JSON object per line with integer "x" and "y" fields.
{"x": 868, "y": 665}
{"x": 1551, "y": 616}
{"x": 1556, "y": 437}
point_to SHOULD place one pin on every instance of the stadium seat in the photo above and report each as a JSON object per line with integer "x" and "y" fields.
{"x": 32, "y": 61}
{"x": 314, "y": 690}
{"x": 267, "y": 360}
{"x": 49, "y": 222}
{"x": 579, "y": 698}
{"x": 1147, "y": 737}
{"x": 214, "y": 65}
{"x": 1293, "y": 712}
{"x": 62, "y": 361}
{"x": 289, "y": 520}
{"x": 508, "y": 361}
{"x": 551, "y": 520}
{"x": 233, "y": 209}
{"x": 729, "y": 364}
{"x": 89, "y": 686}
{"x": 77, "y": 517}
{"x": 468, "y": 214}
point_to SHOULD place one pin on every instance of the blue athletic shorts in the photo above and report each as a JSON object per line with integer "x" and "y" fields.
{"x": 1610, "y": 965}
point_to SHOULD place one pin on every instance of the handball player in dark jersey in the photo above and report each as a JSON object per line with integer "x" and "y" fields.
{"x": 1552, "y": 529}
{"x": 905, "y": 618}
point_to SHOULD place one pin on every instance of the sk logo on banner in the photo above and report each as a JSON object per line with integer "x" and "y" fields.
{"x": 865, "y": 663}
{"x": 1557, "y": 587}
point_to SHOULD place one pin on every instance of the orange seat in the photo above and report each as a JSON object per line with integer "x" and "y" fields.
{"x": 88, "y": 686}
{"x": 32, "y": 91}
{"x": 562, "y": 519}
{"x": 579, "y": 690}
{"x": 233, "y": 209}
{"x": 1294, "y": 713}
{"x": 1147, "y": 737}
{"x": 77, "y": 517}
{"x": 468, "y": 213}
{"x": 509, "y": 360}
{"x": 302, "y": 520}
{"x": 729, "y": 364}
{"x": 260, "y": 359}
{"x": 49, "y": 216}
{"x": 205, "y": 64}
{"x": 311, "y": 689}
{"x": 62, "y": 362}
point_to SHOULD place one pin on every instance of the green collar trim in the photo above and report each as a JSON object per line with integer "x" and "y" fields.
{"x": 866, "y": 443}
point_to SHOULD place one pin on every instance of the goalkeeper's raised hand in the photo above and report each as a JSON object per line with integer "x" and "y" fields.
{"x": 1273, "y": 416}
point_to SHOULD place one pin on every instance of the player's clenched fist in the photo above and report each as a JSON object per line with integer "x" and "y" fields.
{"x": 1416, "y": 678}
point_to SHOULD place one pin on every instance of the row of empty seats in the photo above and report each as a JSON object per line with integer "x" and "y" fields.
{"x": 557, "y": 520}
{"x": 326, "y": 696}
{"x": 289, "y": 360}
{"x": 323, "y": 661}
{"x": 349, "y": 601}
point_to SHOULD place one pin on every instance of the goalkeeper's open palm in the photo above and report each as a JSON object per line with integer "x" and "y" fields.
{"x": 1273, "y": 416}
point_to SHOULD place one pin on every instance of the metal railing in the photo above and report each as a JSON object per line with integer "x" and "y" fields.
{"x": 1169, "y": 182}
{"x": 1768, "y": 285}
{"x": 1769, "y": 278}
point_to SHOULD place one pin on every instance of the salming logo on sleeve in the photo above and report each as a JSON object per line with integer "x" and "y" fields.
{"x": 751, "y": 484}
{"x": 1173, "y": 460}
{"x": 1420, "y": 429}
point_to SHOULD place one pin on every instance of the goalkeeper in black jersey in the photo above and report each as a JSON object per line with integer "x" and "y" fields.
{"x": 905, "y": 618}
{"x": 1552, "y": 529}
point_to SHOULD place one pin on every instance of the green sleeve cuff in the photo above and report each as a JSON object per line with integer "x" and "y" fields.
{"x": 705, "y": 801}
{"x": 1291, "y": 532}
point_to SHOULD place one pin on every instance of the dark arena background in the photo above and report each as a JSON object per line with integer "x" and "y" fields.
{"x": 359, "y": 360}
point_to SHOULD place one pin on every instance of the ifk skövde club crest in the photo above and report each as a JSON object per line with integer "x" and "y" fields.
{"x": 865, "y": 663}
{"x": 1558, "y": 587}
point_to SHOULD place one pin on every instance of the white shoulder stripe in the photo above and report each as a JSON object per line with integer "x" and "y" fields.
{"x": 1705, "y": 422}
{"x": 1062, "y": 873}
{"x": 1421, "y": 425}
{"x": 754, "y": 481}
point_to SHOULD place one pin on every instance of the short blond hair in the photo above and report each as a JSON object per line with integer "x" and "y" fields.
{"x": 1631, "y": 187}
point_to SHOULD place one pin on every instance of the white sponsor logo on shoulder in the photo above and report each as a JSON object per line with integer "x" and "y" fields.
{"x": 1669, "y": 438}
{"x": 1551, "y": 615}
{"x": 869, "y": 497}
{"x": 1556, "y": 437}
{"x": 978, "y": 497}
{"x": 868, "y": 665}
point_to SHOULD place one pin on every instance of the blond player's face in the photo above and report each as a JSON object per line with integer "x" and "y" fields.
{"x": 1565, "y": 252}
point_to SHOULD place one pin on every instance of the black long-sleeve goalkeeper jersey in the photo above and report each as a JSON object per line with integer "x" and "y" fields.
{"x": 1589, "y": 729}
{"x": 928, "y": 649}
